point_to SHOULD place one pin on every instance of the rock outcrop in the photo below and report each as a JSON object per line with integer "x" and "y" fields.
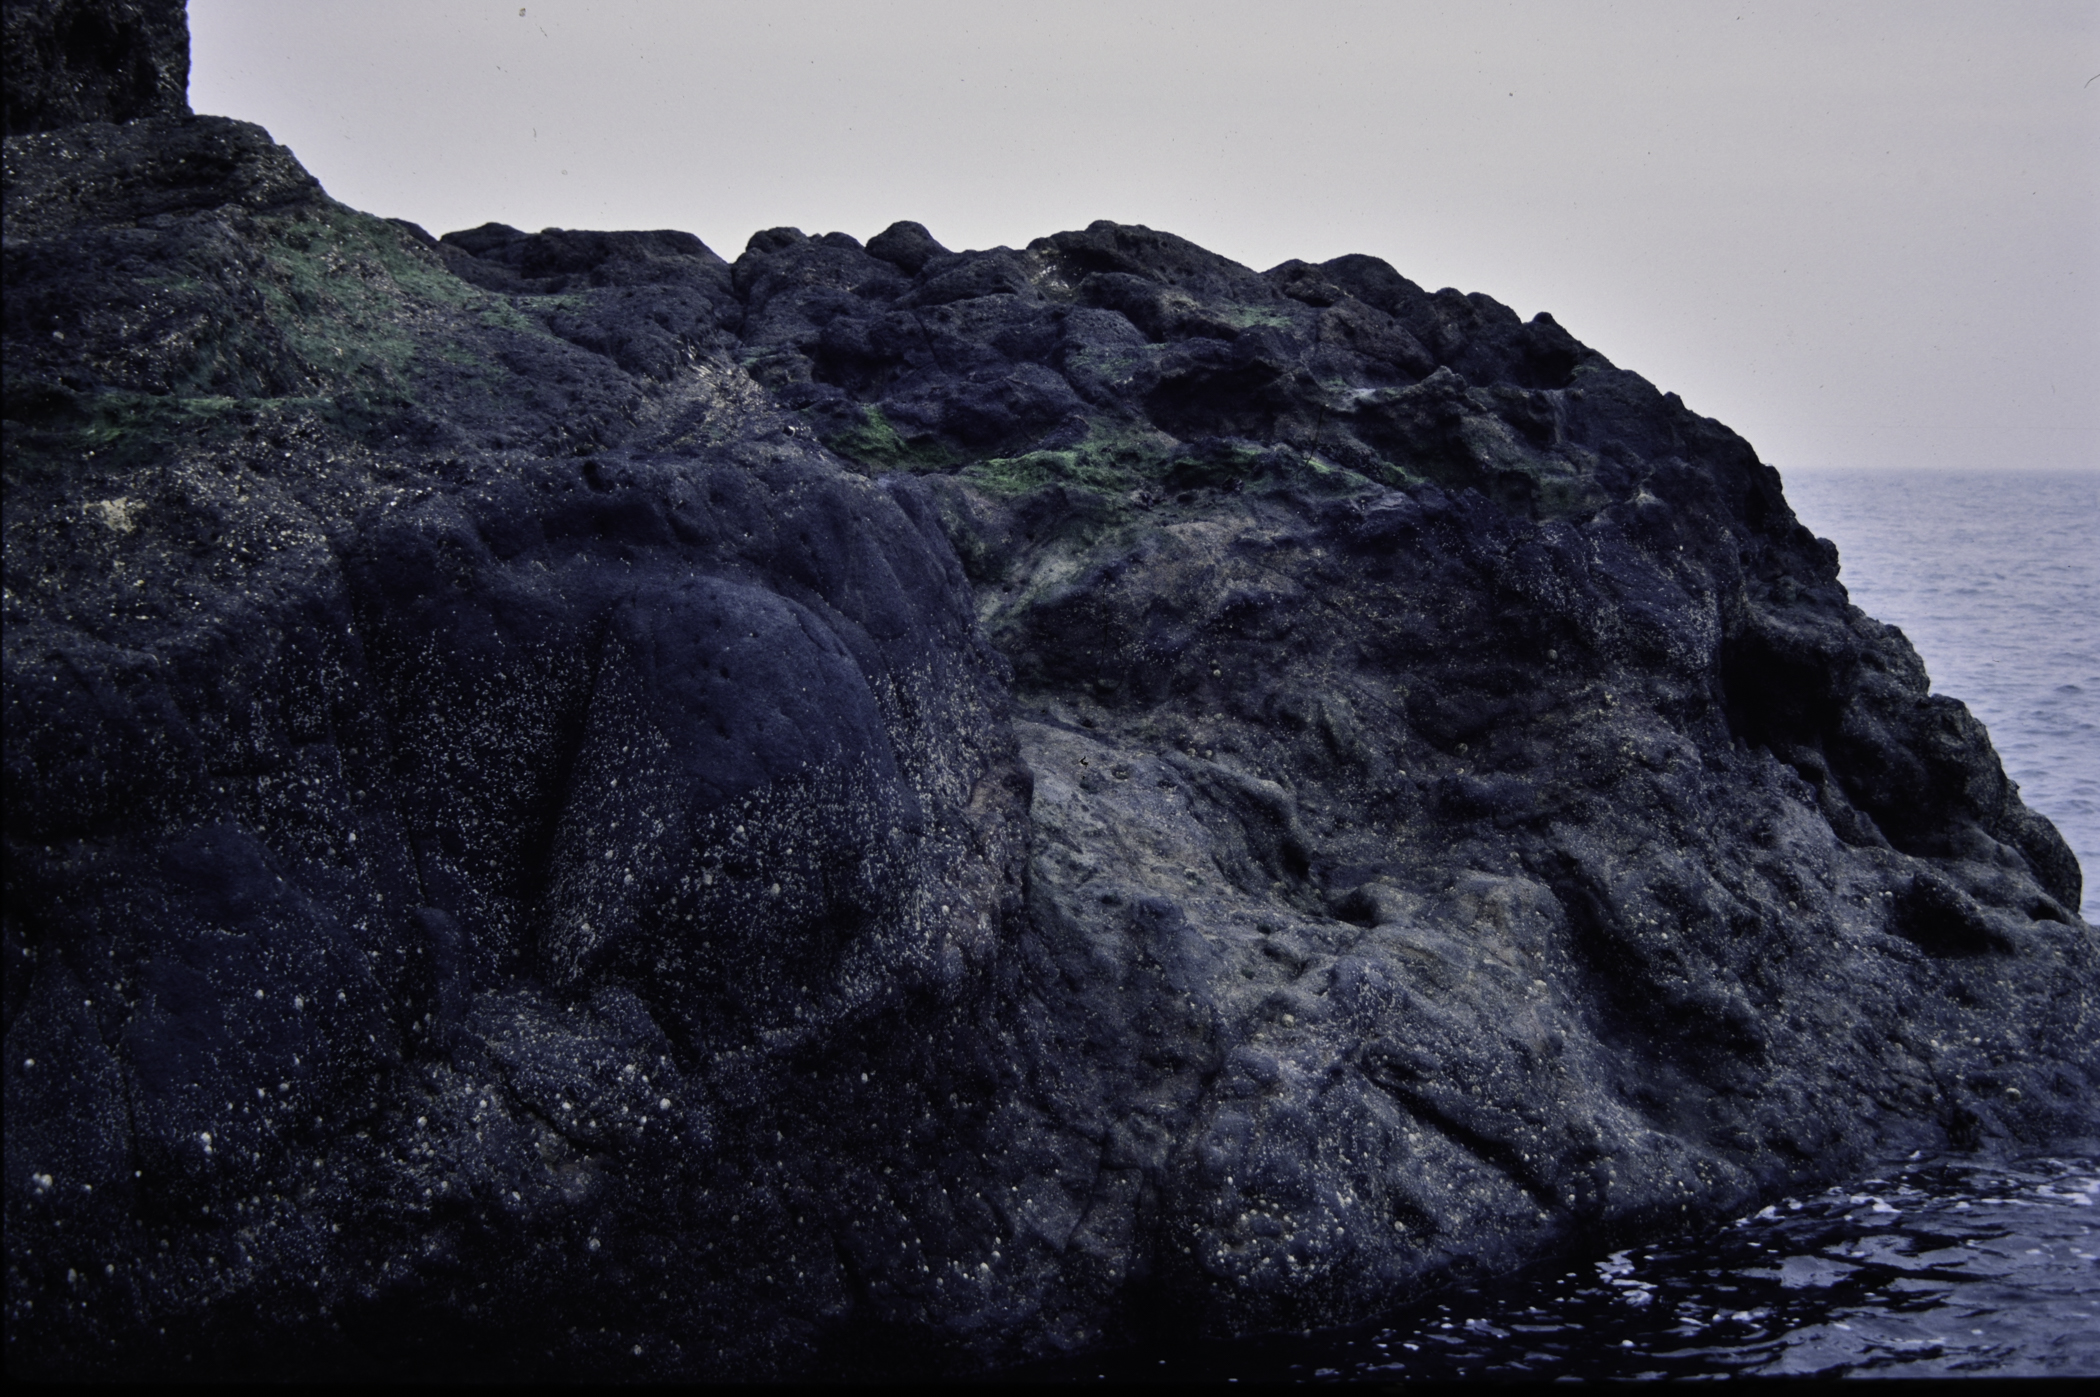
{"x": 70, "y": 61}
{"x": 580, "y": 809}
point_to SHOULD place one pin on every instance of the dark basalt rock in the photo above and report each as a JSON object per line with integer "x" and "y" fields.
{"x": 70, "y": 61}
{"x": 580, "y": 809}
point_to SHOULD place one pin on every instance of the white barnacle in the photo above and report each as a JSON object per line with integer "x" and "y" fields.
{"x": 120, "y": 514}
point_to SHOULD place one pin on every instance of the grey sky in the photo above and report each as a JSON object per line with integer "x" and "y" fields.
{"x": 1861, "y": 234}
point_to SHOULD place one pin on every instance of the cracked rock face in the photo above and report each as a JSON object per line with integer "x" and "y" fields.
{"x": 576, "y": 808}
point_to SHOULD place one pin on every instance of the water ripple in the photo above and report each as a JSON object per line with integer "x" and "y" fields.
{"x": 1934, "y": 1267}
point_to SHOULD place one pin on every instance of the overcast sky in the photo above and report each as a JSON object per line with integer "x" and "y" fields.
{"x": 1862, "y": 234}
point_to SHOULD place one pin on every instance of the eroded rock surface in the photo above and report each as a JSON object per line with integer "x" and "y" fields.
{"x": 70, "y": 61}
{"x": 576, "y": 808}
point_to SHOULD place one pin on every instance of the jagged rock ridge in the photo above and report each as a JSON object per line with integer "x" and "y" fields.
{"x": 577, "y": 808}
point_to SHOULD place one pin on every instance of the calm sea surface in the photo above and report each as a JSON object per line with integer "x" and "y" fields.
{"x": 1934, "y": 1266}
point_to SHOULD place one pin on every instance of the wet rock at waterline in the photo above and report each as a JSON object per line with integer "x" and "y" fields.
{"x": 580, "y": 808}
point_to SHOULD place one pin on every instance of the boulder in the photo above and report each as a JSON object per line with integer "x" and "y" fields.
{"x": 579, "y": 809}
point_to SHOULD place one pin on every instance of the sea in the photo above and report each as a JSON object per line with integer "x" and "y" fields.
{"x": 1928, "y": 1267}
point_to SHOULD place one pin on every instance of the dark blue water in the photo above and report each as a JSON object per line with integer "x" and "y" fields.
{"x": 1995, "y": 577}
{"x": 1941, "y": 1267}
{"x": 1932, "y": 1267}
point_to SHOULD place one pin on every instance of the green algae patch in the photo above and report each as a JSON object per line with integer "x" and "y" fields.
{"x": 1243, "y": 317}
{"x": 314, "y": 305}
{"x": 118, "y": 428}
{"x": 1114, "y": 458}
{"x": 1018, "y": 475}
{"x": 350, "y": 294}
{"x": 364, "y": 308}
{"x": 878, "y": 446}
{"x": 127, "y": 422}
